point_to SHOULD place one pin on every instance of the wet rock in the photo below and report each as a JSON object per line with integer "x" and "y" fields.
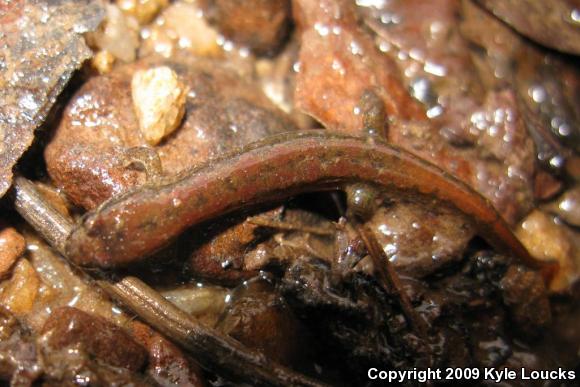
{"x": 87, "y": 156}
{"x": 260, "y": 319}
{"x": 547, "y": 86}
{"x": 545, "y": 82}
{"x": 159, "y": 102}
{"x": 567, "y": 206}
{"x": 551, "y": 23}
{"x": 70, "y": 327}
{"x": 261, "y": 25}
{"x": 103, "y": 62}
{"x": 237, "y": 249}
{"x": 41, "y": 45}
{"x": 419, "y": 240}
{"x": 12, "y": 246}
{"x": 338, "y": 62}
{"x": 19, "y": 293}
{"x": 167, "y": 364}
{"x": 526, "y": 296}
{"x": 142, "y": 10}
{"x": 181, "y": 27}
{"x": 495, "y": 44}
{"x": 423, "y": 39}
{"x": 547, "y": 240}
{"x": 20, "y": 363}
{"x": 204, "y": 302}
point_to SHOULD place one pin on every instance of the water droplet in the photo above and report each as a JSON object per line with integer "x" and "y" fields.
{"x": 371, "y": 3}
{"x": 557, "y": 161}
{"x": 435, "y": 69}
{"x": 355, "y": 48}
{"x": 322, "y": 29}
{"x": 296, "y": 67}
{"x": 575, "y": 15}
{"x": 537, "y": 93}
{"x": 435, "y": 111}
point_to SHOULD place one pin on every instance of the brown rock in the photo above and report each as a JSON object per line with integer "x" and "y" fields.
{"x": 19, "y": 294}
{"x": 526, "y": 295}
{"x": 418, "y": 239}
{"x": 20, "y": 362}
{"x": 548, "y": 240}
{"x": 69, "y": 327}
{"x": 567, "y": 206}
{"x": 142, "y": 10}
{"x": 261, "y": 25}
{"x": 180, "y": 27}
{"x": 12, "y": 246}
{"x": 338, "y": 62}
{"x": 167, "y": 364}
{"x": 261, "y": 320}
{"x": 553, "y": 23}
{"x": 423, "y": 39}
{"x": 87, "y": 156}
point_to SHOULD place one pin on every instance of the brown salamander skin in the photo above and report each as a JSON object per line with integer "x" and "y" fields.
{"x": 135, "y": 225}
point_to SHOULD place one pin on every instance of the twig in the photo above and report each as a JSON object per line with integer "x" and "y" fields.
{"x": 389, "y": 279}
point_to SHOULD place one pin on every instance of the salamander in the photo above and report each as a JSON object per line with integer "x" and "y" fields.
{"x": 135, "y": 225}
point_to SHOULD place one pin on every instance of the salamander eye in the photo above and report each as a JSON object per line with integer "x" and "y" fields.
{"x": 361, "y": 200}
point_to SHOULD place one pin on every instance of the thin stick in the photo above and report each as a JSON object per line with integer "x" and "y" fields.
{"x": 41, "y": 215}
{"x": 389, "y": 279}
{"x": 235, "y": 361}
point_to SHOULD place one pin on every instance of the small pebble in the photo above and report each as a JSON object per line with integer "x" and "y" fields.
{"x": 547, "y": 240}
{"x": 19, "y": 294}
{"x": 12, "y": 246}
{"x": 142, "y": 10}
{"x": 180, "y": 28}
{"x": 118, "y": 34}
{"x": 159, "y": 101}
{"x": 567, "y": 207}
{"x": 103, "y": 61}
